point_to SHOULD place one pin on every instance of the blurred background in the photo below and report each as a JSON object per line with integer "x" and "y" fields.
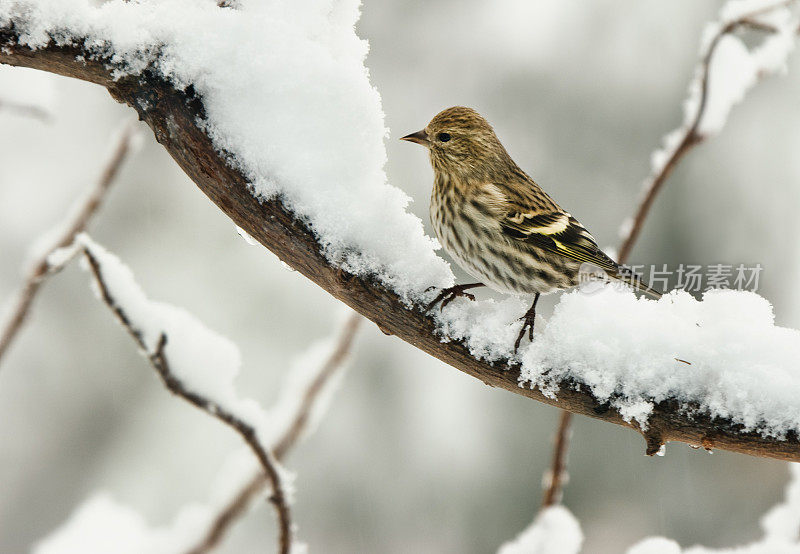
{"x": 413, "y": 456}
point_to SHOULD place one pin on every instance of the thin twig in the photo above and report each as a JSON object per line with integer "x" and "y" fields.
{"x": 691, "y": 137}
{"x": 555, "y": 479}
{"x": 231, "y": 513}
{"x": 75, "y": 224}
{"x": 332, "y": 364}
{"x": 240, "y": 502}
{"x": 158, "y": 360}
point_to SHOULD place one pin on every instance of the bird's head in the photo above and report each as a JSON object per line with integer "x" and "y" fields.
{"x": 460, "y": 141}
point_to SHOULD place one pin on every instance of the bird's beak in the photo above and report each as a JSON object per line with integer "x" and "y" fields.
{"x": 420, "y": 137}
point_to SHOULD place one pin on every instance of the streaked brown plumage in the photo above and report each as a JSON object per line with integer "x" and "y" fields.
{"x": 496, "y": 222}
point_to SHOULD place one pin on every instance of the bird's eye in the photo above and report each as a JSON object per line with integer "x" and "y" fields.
{"x": 443, "y": 137}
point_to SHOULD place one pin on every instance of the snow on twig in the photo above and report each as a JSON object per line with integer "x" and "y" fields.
{"x": 58, "y": 253}
{"x": 554, "y": 531}
{"x": 305, "y": 406}
{"x": 200, "y": 528}
{"x": 724, "y": 74}
{"x": 206, "y": 364}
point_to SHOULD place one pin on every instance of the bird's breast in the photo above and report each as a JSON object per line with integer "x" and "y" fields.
{"x": 471, "y": 235}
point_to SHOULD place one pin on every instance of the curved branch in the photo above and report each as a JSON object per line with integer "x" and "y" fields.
{"x": 173, "y": 116}
{"x": 158, "y": 359}
{"x": 691, "y": 135}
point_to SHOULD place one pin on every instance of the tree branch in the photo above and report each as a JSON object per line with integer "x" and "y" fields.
{"x": 556, "y": 477}
{"x": 291, "y": 436}
{"x": 691, "y": 136}
{"x": 174, "y": 115}
{"x": 158, "y": 360}
{"x": 299, "y": 425}
{"x": 74, "y": 225}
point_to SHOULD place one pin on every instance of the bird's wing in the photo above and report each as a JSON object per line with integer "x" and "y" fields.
{"x": 558, "y": 232}
{"x": 529, "y": 215}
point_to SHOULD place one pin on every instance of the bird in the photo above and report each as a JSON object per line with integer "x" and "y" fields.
{"x": 498, "y": 224}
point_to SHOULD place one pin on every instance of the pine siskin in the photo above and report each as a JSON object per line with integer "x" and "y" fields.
{"x": 496, "y": 222}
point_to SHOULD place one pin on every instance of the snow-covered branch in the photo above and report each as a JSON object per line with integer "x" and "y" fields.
{"x": 100, "y": 523}
{"x": 197, "y": 377}
{"x": 51, "y": 260}
{"x": 298, "y": 166}
{"x": 302, "y": 405}
{"x": 725, "y": 72}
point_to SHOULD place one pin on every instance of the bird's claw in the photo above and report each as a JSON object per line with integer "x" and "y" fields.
{"x": 449, "y": 294}
{"x": 528, "y": 320}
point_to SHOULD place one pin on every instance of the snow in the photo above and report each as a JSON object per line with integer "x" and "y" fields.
{"x": 100, "y": 521}
{"x": 60, "y": 257}
{"x": 656, "y": 545}
{"x": 101, "y": 524}
{"x": 288, "y": 97}
{"x": 624, "y": 349}
{"x": 203, "y": 361}
{"x": 733, "y": 71}
{"x": 123, "y": 531}
{"x": 554, "y": 531}
{"x": 246, "y": 236}
{"x": 781, "y": 526}
{"x": 782, "y": 522}
{"x": 736, "y": 9}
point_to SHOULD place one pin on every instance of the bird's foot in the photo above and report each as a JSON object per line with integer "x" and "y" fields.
{"x": 528, "y": 320}
{"x": 449, "y": 294}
